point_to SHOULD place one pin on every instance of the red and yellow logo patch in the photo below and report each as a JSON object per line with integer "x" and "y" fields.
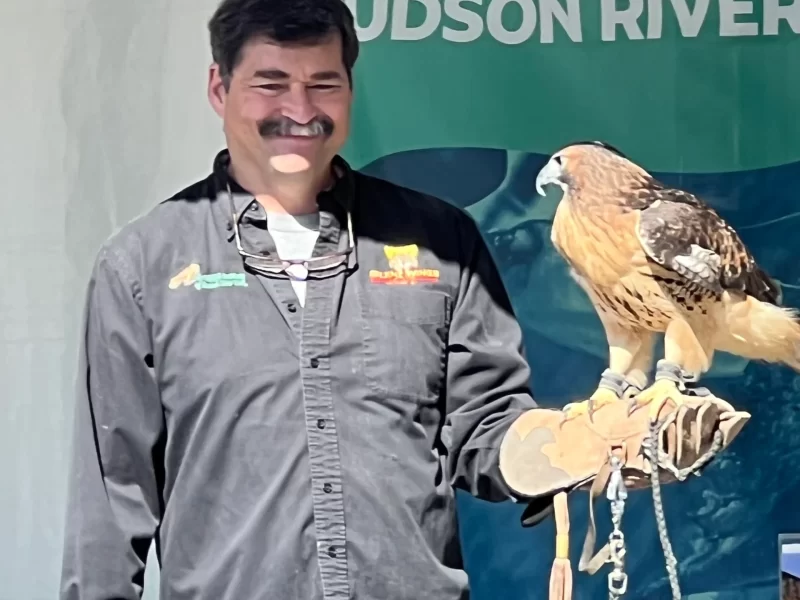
{"x": 404, "y": 265}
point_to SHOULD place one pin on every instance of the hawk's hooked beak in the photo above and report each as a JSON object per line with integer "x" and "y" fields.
{"x": 550, "y": 174}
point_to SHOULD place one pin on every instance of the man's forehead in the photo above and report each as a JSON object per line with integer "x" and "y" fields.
{"x": 307, "y": 57}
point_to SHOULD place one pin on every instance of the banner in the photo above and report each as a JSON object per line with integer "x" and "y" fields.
{"x": 466, "y": 99}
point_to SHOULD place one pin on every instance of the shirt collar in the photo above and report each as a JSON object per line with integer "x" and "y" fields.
{"x": 339, "y": 199}
{"x": 336, "y": 205}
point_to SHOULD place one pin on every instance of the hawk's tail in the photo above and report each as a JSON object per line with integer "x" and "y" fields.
{"x": 761, "y": 331}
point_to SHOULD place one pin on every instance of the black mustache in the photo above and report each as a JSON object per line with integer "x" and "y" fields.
{"x": 283, "y": 126}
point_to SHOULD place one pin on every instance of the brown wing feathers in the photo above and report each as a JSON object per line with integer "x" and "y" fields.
{"x": 680, "y": 232}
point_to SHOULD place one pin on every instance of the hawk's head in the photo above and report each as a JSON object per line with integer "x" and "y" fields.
{"x": 587, "y": 165}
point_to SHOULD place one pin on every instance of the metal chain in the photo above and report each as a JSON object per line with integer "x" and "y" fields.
{"x": 670, "y": 561}
{"x": 662, "y": 460}
{"x": 617, "y": 493}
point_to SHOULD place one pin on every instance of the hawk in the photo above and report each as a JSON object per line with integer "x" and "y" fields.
{"x": 658, "y": 260}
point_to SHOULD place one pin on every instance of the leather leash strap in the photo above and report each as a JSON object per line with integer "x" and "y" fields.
{"x": 591, "y": 564}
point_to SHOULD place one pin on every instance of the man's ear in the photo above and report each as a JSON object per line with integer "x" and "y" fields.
{"x": 217, "y": 93}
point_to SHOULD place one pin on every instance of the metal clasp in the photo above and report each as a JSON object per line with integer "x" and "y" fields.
{"x": 617, "y": 493}
{"x": 617, "y": 583}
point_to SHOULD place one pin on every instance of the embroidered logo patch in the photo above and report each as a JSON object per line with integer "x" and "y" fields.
{"x": 404, "y": 265}
{"x": 191, "y": 275}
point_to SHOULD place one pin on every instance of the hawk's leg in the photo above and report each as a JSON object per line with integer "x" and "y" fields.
{"x": 637, "y": 376}
{"x": 630, "y": 354}
{"x": 688, "y": 352}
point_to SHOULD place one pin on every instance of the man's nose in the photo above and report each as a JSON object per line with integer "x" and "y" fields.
{"x": 297, "y": 105}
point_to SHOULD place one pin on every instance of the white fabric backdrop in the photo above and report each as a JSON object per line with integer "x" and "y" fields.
{"x": 104, "y": 114}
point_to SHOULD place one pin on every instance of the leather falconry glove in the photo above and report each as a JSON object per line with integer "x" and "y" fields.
{"x": 543, "y": 458}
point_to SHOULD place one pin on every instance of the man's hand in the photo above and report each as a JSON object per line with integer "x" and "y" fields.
{"x": 696, "y": 431}
{"x": 542, "y": 454}
{"x": 543, "y": 457}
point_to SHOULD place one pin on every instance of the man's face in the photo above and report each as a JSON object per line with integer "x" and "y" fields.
{"x": 285, "y": 101}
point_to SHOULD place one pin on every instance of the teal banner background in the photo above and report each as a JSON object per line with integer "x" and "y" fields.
{"x": 466, "y": 99}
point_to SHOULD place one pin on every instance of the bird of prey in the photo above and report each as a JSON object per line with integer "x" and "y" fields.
{"x": 653, "y": 260}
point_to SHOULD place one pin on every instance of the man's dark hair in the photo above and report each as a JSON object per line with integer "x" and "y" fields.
{"x": 300, "y": 22}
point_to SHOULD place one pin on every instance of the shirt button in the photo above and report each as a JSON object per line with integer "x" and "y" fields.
{"x": 331, "y": 551}
{"x": 292, "y": 308}
{"x": 314, "y": 363}
{"x": 327, "y": 488}
{"x": 320, "y": 423}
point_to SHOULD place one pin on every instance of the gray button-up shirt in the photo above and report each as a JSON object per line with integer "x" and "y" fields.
{"x": 282, "y": 452}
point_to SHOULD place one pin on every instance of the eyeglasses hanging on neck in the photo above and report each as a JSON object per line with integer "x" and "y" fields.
{"x": 297, "y": 269}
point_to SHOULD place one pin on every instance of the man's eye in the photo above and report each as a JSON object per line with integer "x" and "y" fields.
{"x": 322, "y": 86}
{"x": 272, "y": 87}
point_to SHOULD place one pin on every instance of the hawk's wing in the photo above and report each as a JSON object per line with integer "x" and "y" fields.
{"x": 681, "y": 233}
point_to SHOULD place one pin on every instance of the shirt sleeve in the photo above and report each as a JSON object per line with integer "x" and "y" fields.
{"x": 114, "y": 495}
{"x": 488, "y": 377}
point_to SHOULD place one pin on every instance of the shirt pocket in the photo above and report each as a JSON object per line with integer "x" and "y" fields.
{"x": 405, "y": 338}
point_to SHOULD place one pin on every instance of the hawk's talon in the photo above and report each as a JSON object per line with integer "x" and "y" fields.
{"x": 598, "y": 399}
{"x": 656, "y": 396}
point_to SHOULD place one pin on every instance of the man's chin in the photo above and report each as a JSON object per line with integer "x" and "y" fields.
{"x": 290, "y": 163}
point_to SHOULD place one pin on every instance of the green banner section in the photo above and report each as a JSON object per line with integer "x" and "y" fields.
{"x": 697, "y": 86}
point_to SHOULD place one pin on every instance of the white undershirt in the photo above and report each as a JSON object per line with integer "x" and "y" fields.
{"x": 295, "y": 237}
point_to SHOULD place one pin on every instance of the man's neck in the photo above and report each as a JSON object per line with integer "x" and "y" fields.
{"x": 294, "y": 194}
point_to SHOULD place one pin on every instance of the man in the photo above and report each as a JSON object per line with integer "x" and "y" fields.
{"x": 288, "y": 432}
{"x": 257, "y": 393}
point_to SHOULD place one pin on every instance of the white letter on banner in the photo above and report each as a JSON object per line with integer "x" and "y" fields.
{"x": 494, "y": 21}
{"x": 380, "y": 16}
{"x": 728, "y": 9}
{"x": 474, "y": 23}
{"x": 569, "y": 18}
{"x": 655, "y": 19}
{"x": 774, "y": 12}
{"x": 611, "y": 17}
{"x": 690, "y": 21}
{"x": 400, "y": 28}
